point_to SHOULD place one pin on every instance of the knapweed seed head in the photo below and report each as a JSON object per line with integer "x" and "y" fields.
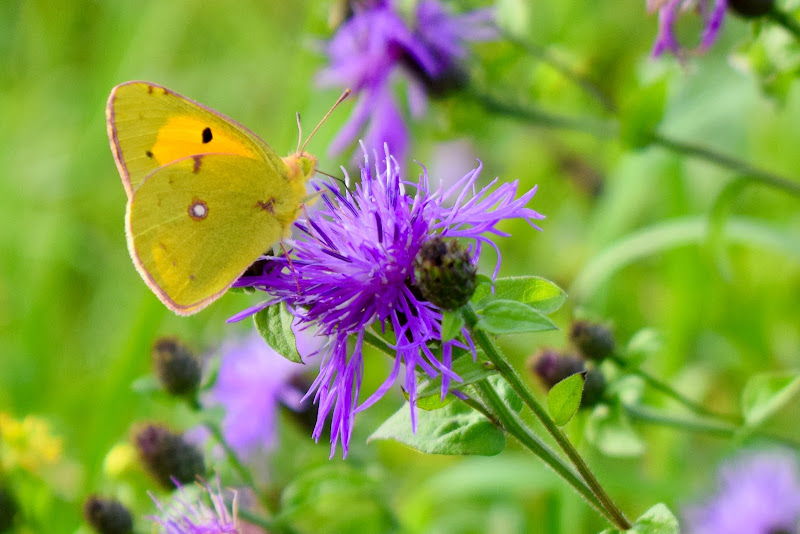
{"x": 351, "y": 275}
{"x": 107, "y": 516}
{"x": 167, "y": 456}
{"x": 444, "y": 273}
{"x": 594, "y": 341}
{"x": 752, "y": 8}
{"x": 551, "y": 366}
{"x": 176, "y": 366}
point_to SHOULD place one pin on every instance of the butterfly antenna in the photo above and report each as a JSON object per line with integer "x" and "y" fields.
{"x": 299, "y": 132}
{"x": 339, "y": 101}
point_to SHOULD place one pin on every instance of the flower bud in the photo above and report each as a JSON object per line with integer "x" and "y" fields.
{"x": 168, "y": 456}
{"x": 751, "y": 8}
{"x": 177, "y": 368}
{"x": 8, "y": 509}
{"x": 552, "y": 367}
{"x": 594, "y": 341}
{"x": 444, "y": 273}
{"x": 107, "y": 516}
{"x": 594, "y": 388}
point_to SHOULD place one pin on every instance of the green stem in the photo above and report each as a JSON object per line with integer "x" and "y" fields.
{"x": 233, "y": 458}
{"x": 258, "y": 520}
{"x": 712, "y": 428}
{"x": 723, "y": 160}
{"x": 665, "y": 388}
{"x": 514, "y": 379}
{"x": 504, "y": 417}
{"x": 788, "y": 22}
{"x": 539, "y": 117}
{"x": 582, "y": 82}
{"x": 610, "y": 129}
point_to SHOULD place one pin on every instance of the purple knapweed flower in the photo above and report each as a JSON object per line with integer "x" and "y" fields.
{"x": 252, "y": 383}
{"x": 189, "y": 514}
{"x": 376, "y": 47}
{"x": 352, "y": 268}
{"x": 712, "y": 11}
{"x": 758, "y": 493}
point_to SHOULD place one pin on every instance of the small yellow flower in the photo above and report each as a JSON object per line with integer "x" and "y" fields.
{"x": 27, "y": 444}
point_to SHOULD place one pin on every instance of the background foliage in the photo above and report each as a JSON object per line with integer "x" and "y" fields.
{"x": 76, "y": 322}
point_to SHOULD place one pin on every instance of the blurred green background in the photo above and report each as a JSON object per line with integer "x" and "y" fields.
{"x": 76, "y": 321}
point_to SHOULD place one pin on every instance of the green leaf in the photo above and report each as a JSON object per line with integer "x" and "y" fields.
{"x": 674, "y": 233}
{"x": 512, "y": 317}
{"x": 536, "y": 292}
{"x": 766, "y": 393}
{"x": 454, "y": 429}
{"x": 146, "y": 385}
{"x": 274, "y": 323}
{"x": 657, "y": 520}
{"x": 452, "y": 323}
{"x": 335, "y": 498}
{"x": 642, "y": 113}
{"x": 608, "y": 429}
{"x": 642, "y": 344}
{"x": 564, "y": 398}
{"x": 429, "y": 391}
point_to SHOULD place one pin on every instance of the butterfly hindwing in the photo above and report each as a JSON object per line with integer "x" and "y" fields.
{"x": 196, "y": 224}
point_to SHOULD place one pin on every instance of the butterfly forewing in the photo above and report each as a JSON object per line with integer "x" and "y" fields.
{"x": 150, "y": 126}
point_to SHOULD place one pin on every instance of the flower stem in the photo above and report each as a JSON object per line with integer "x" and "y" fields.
{"x": 581, "y": 81}
{"x": 233, "y": 458}
{"x": 516, "y": 383}
{"x": 712, "y": 428}
{"x": 610, "y": 129}
{"x": 723, "y": 160}
{"x": 788, "y": 22}
{"x": 665, "y": 388}
{"x": 539, "y": 117}
{"x": 503, "y": 416}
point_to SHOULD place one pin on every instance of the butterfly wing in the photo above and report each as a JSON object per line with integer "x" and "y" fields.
{"x": 150, "y": 126}
{"x": 196, "y": 224}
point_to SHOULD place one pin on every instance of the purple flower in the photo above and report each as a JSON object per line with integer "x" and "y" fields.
{"x": 712, "y": 11}
{"x": 758, "y": 493}
{"x": 188, "y": 514}
{"x": 353, "y": 268}
{"x": 376, "y": 45}
{"x": 252, "y": 383}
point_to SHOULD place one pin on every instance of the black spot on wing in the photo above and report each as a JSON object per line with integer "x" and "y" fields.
{"x": 149, "y": 154}
{"x": 207, "y": 137}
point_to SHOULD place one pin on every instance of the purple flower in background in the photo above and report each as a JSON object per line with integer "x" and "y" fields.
{"x": 758, "y": 493}
{"x": 377, "y": 46}
{"x": 712, "y": 11}
{"x": 190, "y": 515}
{"x": 252, "y": 383}
{"x": 353, "y": 268}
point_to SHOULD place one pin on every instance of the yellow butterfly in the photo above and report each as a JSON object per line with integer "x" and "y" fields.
{"x": 206, "y": 196}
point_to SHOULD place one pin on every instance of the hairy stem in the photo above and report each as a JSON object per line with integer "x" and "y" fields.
{"x": 666, "y": 389}
{"x": 516, "y": 383}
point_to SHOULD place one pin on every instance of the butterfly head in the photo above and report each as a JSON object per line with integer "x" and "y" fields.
{"x": 302, "y": 166}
